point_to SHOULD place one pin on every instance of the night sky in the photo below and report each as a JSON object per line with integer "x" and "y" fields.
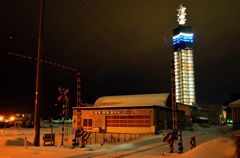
{"x": 117, "y": 46}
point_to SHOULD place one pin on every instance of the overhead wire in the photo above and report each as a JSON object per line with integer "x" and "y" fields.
{"x": 107, "y": 28}
{"x": 77, "y": 16}
{"x": 115, "y": 29}
{"x": 45, "y": 61}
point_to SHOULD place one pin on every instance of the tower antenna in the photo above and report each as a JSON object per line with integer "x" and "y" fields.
{"x": 181, "y": 14}
{"x": 181, "y": 2}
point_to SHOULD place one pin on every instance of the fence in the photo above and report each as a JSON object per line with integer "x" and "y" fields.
{"x": 103, "y": 138}
{"x": 94, "y": 138}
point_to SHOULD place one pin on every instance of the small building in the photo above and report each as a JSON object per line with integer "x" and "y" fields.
{"x": 212, "y": 114}
{"x": 24, "y": 120}
{"x": 187, "y": 114}
{"x": 146, "y": 113}
{"x": 235, "y": 108}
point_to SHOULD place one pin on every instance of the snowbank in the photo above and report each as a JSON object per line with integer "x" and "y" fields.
{"x": 218, "y": 148}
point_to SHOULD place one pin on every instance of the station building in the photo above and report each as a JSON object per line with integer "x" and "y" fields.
{"x": 146, "y": 113}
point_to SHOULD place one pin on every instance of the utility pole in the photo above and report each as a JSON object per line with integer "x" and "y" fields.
{"x": 38, "y": 77}
{"x": 66, "y": 67}
{"x": 174, "y": 104}
{"x": 78, "y": 89}
{"x": 174, "y": 134}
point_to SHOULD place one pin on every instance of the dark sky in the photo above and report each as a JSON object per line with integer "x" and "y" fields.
{"x": 117, "y": 46}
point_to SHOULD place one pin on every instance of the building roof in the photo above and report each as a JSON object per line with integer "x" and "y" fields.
{"x": 235, "y": 104}
{"x": 133, "y": 100}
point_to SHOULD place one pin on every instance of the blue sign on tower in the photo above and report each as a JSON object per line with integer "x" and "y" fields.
{"x": 183, "y": 38}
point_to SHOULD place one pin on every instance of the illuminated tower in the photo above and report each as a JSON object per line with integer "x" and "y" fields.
{"x": 183, "y": 60}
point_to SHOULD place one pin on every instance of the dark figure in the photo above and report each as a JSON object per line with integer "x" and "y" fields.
{"x": 193, "y": 142}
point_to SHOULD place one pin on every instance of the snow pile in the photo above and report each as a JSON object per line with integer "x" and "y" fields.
{"x": 218, "y": 148}
{"x": 18, "y": 142}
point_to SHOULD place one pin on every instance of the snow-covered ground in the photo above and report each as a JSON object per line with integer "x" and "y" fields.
{"x": 213, "y": 142}
{"x": 217, "y": 148}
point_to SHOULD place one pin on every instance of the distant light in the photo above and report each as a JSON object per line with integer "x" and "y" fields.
{"x": 1, "y": 118}
{"x": 229, "y": 121}
{"x": 181, "y": 15}
{"x": 12, "y": 118}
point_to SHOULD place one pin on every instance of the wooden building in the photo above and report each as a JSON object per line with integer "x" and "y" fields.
{"x": 235, "y": 108}
{"x": 148, "y": 113}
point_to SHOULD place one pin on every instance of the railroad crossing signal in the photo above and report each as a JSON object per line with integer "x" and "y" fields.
{"x": 80, "y": 135}
{"x": 180, "y": 145}
{"x": 64, "y": 100}
{"x": 73, "y": 69}
{"x": 63, "y": 94}
{"x": 170, "y": 137}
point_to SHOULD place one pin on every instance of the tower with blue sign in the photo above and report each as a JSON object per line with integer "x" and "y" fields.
{"x": 183, "y": 39}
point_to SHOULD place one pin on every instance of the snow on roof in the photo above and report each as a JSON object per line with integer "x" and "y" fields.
{"x": 133, "y": 100}
{"x": 235, "y": 104}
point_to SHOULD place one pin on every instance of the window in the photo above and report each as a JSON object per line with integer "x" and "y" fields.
{"x": 129, "y": 121}
{"x": 87, "y": 124}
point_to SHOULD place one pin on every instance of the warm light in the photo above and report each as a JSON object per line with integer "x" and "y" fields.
{"x": 12, "y": 118}
{"x": 184, "y": 74}
{"x": 1, "y": 118}
{"x": 181, "y": 15}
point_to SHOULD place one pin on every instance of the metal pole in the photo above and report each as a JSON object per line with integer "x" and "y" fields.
{"x": 174, "y": 104}
{"x": 78, "y": 89}
{"x": 38, "y": 77}
{"x": 79, "y": 100}
{"x": 62, "y": 130}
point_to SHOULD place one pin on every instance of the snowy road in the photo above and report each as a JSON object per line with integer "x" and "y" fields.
{"x": 154, "y": 146}
{"x": 11, "y": 145}
{"x": 151, "y": 144}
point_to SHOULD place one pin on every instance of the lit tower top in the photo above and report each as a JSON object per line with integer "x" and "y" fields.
{"x": 183, "y": 40}
{"x": 181, "y": 15}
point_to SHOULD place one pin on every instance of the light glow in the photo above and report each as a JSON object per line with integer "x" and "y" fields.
{"x": 183, "y": 34}
{"x": 181, "y": 15}
{"x": 183, "y": 37}
{"x": 12, "y": 118}
{"x": 184, "y": 77}
{"x": 1, "y": 118}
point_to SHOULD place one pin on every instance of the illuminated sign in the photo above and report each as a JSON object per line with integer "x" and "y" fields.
{"x": 183, "y": 37}
{"x": 107, "y": 112}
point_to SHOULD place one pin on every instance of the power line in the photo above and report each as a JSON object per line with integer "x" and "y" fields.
{"x": 62, "y": 66}
{"x": 45, "y": 61}
{"x": 108, "y": 22}
{"x": 107, "y": 28}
